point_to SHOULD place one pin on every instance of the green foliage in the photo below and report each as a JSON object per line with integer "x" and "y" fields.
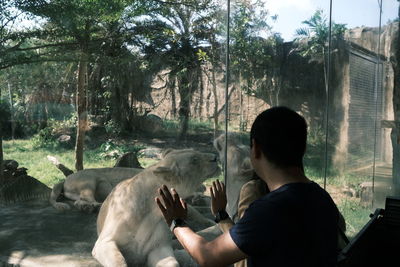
{"x": 113, "y": 128}
{"x": 44, "y": 139}
{"x": 316, "y": 34}
{"x": 110, "y": 149}
{"x": 48, "y": 137}
{"x": 255, "y": 59}
{"x": 195, "y": 126}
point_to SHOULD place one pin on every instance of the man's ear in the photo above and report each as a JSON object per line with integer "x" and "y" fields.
{"x": 255, "y": 149}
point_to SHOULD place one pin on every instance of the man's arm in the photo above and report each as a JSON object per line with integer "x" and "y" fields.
{"x": 220, "y": 252}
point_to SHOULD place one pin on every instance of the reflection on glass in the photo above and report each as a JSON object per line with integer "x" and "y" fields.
{"x": 361, "y": 94}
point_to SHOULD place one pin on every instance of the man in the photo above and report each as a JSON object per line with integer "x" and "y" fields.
{"x": 293, "y": 225}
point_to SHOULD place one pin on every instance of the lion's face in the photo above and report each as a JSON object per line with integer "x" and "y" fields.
{"x": 238, "y": 155}
{"x": 187, "y": 166}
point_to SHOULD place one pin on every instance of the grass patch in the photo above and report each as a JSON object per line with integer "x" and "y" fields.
{"x": 35, "y": 160}
{"x": 356, "y": 215}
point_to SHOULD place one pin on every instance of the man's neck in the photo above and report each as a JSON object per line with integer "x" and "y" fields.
{"x": 276, "y": 177}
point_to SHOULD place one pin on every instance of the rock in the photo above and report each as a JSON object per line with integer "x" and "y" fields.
{"x": 128, "y": 160}
{"x": 10, "y": 164}
{"x": 348, "y": 191}
{"x": 151, "y": 124}
{"x": 366, "y": 194}
{"x": 64, "y": 138}
{"x": 151, "y": 152}
{"x": 20, "y": 171}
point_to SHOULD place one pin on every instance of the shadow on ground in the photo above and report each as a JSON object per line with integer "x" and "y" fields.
{"x": 35, "y": 234}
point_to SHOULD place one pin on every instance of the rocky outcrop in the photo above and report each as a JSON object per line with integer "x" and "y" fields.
{"x": 18, "y": 186}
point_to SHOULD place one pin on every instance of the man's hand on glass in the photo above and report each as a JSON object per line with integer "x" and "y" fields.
{"x": 218, "y": 197}
{"x": 172, "y": 206}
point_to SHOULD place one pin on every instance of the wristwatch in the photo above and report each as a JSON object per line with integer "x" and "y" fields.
{"x": 221, "y": 215}
{"x": 177, "y": 223}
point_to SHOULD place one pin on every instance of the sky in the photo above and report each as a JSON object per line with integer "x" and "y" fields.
{"x": 351, "y": 12}
{"x": 291, "y": 13}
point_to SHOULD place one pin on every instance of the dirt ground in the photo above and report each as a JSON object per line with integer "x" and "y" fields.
{"x": 36, "y": 234}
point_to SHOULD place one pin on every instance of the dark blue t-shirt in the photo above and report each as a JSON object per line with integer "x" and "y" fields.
{"x": 294, "y": 225}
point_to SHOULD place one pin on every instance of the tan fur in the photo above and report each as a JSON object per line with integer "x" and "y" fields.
{"x": 130, "y": 226}
{"x": 89, "y": 187}
{"x": 239, "y": 170}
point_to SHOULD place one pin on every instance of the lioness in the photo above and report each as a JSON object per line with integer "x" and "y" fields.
{"x": 89, "y": 187}
{"x": 239, "y": 169}
{"x": 129, "y": 223}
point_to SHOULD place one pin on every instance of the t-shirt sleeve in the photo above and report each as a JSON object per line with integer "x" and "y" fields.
{"x": 255, "y": 231}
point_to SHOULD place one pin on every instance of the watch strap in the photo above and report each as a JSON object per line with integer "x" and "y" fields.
{"x": 177, "y": 223}
{"x": 221, "y": 215}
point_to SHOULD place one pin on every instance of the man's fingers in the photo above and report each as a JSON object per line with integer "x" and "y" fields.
{"x": 212, "y": 192}
{"x": 175, "y": 196}
{"x": 215, "y": 188}
{"x": 218, "y": 184}
{"x": 223, "y": 188}
{"x": 184, "y": 204}
{"x": 160, "y": 205}
{"x": 166, "y": 192}
{"x": 167, "y": 200}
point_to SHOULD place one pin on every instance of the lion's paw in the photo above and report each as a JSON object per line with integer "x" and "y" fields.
{"x": 86, "y": 206}
{"x": 61, "y": 206}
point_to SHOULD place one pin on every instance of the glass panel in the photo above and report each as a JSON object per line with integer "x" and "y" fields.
{"x": 357, "y": 104}
{"x": 387, "y": 155}
{"x": 129, "y": 76}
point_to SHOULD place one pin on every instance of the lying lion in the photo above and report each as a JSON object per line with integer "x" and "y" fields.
{"x": 90, "y": 187}
{"x": 131, "y": 228}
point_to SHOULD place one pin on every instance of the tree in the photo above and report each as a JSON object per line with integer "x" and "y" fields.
{"x": 313, "y": 39}
{"x": 255, "y": 53}
{"x": 176, "y": 33}
{"x": 79, "y": 21}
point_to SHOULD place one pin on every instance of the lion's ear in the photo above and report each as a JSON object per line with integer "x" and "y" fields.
{"x": 166, "y": 151}
{"x": 167, "y": 173}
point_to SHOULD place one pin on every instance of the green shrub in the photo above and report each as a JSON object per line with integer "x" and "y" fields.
{"x": 111, "y": 150}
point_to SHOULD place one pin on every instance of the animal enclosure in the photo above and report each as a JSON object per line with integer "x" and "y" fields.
{"x": 89, "y": 81}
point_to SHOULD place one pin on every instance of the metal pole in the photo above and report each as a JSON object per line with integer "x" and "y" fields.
{"x": 328, "y": 75}
{"x": 227, "y": 71}
{"x": 376, "y": 99}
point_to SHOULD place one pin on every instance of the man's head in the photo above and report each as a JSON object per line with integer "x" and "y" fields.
{"x": 281, "y": 135}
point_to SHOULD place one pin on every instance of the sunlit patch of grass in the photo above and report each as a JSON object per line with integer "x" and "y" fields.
{"x": 356, "y": 215}
{"x": 39, "y": 167}
{"x": 146, "y": 162}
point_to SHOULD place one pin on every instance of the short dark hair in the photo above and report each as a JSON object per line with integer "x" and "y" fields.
{"x": 281, "y": 134}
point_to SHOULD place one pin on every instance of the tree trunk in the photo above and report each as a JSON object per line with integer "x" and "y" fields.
{"x": 187, "y": 84}
{"x": 173, "y": 98}
{"x": 214, "y": 89}
{"x": 396, "y": 107}
{"x": 201, "y": 101}
{"x": 81, "y": 111}
{"x": 184, "y": 108}
{"x": 1, "y": 153}
{"x": 12, "y": 111}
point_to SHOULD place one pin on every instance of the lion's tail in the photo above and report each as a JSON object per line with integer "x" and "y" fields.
{"x": 55, "y": 193}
